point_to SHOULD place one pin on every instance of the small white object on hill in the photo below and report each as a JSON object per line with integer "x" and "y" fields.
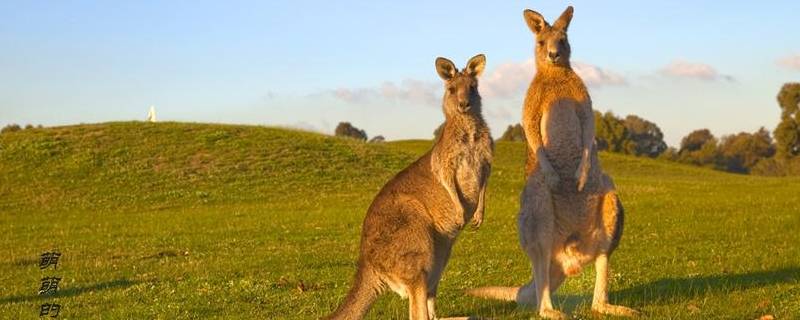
{"x": 151, "y": 115}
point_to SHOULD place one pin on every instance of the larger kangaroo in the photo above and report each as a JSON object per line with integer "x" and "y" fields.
{"x": 569, "y": 214}
{"x": 413, "y": 222}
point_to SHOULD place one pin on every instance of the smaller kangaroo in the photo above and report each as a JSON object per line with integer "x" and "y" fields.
{"x": 413, "y": 222}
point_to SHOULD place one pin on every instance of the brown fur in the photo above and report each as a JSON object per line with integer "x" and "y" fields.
{"x": 413, "y": 222}
{"x": 569, "y": 214}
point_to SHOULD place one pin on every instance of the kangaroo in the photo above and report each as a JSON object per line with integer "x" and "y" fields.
{"x": 569, "y": 213}
{"x": 412, "y": 223}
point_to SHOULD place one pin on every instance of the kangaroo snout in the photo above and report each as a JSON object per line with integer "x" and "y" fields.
{"x": 553, "y": 55}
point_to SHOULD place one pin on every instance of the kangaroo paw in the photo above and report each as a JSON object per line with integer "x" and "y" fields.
{"x": 477, "y": 219}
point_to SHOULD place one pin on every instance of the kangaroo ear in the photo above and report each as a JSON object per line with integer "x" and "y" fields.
{"x": 475, "y": 65}
{"x": 445, "y": 68}
{"x": 563, "y": 21}
{"x": 535, "y": 21}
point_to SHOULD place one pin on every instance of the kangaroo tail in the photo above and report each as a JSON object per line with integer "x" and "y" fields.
{"x": 522, "y": 295}
{"x": 365, "y": 290}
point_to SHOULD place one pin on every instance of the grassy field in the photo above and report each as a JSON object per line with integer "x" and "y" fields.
{"x": 176, "y": 220}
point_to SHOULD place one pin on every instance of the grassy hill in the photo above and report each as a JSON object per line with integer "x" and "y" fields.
{"x": 177, "y": 220}
{"x": 136, "y": 165}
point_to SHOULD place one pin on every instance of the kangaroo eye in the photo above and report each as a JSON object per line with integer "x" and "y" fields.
{"x": 452, "y": 90}
{"x": 541, "y": 43}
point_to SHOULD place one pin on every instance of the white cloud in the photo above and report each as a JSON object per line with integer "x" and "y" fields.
{"x": 595, "y": 76}
{"x": 359, "y": 95}
{"x": 790, "y": 61}
{"x": 685, "y": 69}
{"x": 507, "y": 80}
{"x": 511, "y": 79}
{"x": 412, "y": 90}
{"x": 408, "y": 90}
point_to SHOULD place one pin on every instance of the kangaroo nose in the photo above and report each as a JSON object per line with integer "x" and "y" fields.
{"x": 553, "y": 55}
{"x": 464, "y": 106}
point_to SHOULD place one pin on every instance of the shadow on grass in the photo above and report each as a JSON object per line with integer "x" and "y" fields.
{"x": 494, "y": 310}
{"x": 669, "y": 289}
{"x": 70, "y": 292}
{"x": 663, "y": 290}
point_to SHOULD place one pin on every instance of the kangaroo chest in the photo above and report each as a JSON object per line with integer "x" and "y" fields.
{"x": 562, "y": 134}
{"x": 471, "y": 163}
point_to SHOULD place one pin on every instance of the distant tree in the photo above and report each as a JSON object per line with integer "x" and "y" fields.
{"x": 611, "y": 133}
{"x": 699, "y": 148}
{"x": 28, "y": 126}
{"x": 777, "y": 166}
{"x": 740, "y": 152}
{"x": 377, "y": 139}
{"x": 787, "y": 133}
{"x": 345, "y": 129}
{"x": 708, "y": 155}
{"x": 670, "y": 154}
{"x": 695, "y": 140}
{"x": 513, "y": 133}
{"x": 10, "y": 128}
{"x": 647, "y": 138}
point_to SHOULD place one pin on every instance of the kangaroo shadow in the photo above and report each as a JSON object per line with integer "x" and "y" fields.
{"x": 663, "y": 290}
{"x": 71, "y": 292}
{"x": 672, "y": 289}
{"x": 490, "y": 309}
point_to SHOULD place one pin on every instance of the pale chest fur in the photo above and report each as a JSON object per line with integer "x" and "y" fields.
{"x": 562, "y": 134}
{"x": 558, "y": 100}
{"x": 467, "y": 153}
{"x": 471, "y": 164}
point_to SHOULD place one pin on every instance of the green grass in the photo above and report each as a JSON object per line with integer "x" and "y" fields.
{"x": 177, "y": 220}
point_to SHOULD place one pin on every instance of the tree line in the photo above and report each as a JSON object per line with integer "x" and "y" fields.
{"x": 347, "y": 130}
{"x": 13, "y": 127}
{"x": 630, "y": 135}
{"x": 743, "y": 152}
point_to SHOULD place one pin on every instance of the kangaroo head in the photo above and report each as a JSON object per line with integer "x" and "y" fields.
{"x": 552, "y": 47}
{"x": 461, "y": 87}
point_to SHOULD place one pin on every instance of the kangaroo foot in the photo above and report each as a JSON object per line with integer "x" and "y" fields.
{"x": 614, "y": 310}
{"x": 552, "y": 314}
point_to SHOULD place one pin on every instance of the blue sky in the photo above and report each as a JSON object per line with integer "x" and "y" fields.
{"x": 309, "y": 64}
